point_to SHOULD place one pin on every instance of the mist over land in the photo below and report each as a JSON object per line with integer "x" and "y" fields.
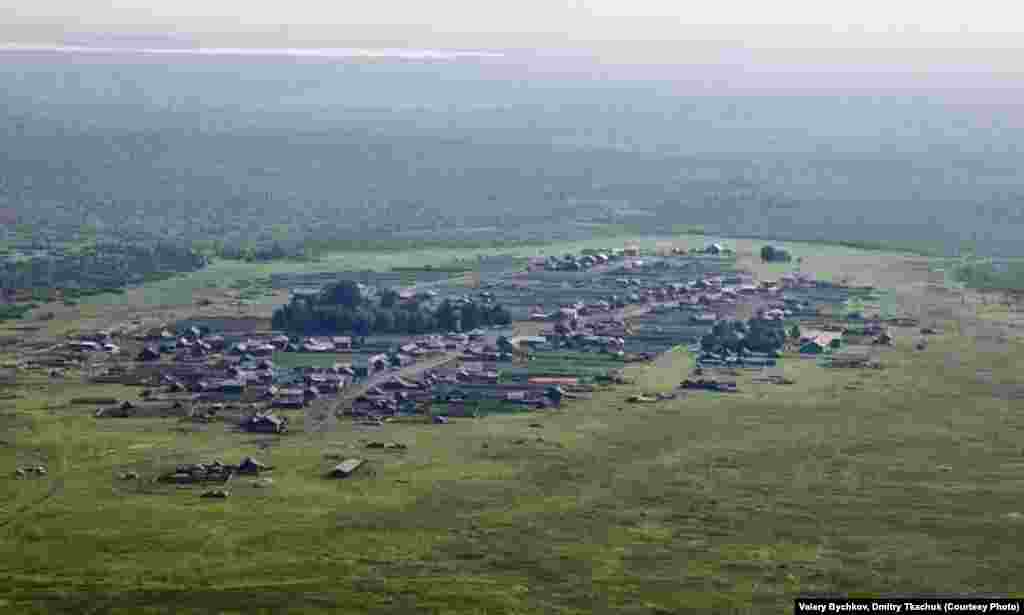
{"x": 252, "y": 144}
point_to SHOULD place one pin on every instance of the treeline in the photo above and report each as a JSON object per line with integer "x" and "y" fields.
{"x": 737, "y": 337}
{"x": 990, "y": 276}
{"x": 100, "y": 268}
{"x": 771, "y": 254}
{"x": 274, "y": 251}
{"x": 344, "y": 308}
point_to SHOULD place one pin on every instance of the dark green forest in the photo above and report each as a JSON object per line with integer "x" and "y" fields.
{"x": 289, "y": 159}
{"x": 343, "y": 307}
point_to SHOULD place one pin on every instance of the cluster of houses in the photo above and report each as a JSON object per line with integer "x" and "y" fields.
{"x": 194, "y": 342}
{"x": 94, "y": 342}
{"x": 830, "y": 338}
{"x": 592, "y": 258}
{"x": 458, "y": 388}
{"x": 571, "y": 262}
{"x": 216, "y": 368}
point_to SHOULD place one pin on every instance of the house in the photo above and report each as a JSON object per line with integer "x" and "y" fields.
{"x": 714, "y": 249}
{"x": 266, "y": 423}
{"x": 399, "y": 384}
{"x": 216, "y": 342}
{"x": 149, "y": 353}
{"x": 289, "y": 401}
{"x": 315, "y": 345}
{"x": 347, "y": 468}
{"x": 342, "y": 343}
{"x": 554, "y": 381}
{"x": 377, "y": 362}
{"x": 85, "y": 346}
{"x": 821, "y": 343}
{"x": 516, "y": 396}
{"x": 402, "y": 360}
{"x": 260, "y": 350}
{"x": 231, "y": 386}
{"x": 704, "y": 318}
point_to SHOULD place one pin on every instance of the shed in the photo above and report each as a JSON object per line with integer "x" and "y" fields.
{"x": 347, "y": 468}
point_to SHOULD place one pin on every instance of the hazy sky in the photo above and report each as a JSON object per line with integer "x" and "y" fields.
{"x": 581, "y": 20}
{"x": 959, "y": 37}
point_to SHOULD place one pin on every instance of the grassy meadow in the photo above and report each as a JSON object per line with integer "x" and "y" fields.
{"x": 901, "y": 480}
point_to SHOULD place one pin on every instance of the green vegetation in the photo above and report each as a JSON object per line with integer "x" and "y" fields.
{"x": 771, "y": 254}
{"x": 99, "y": 268}
{"x": 14, "y": 311}
{"x": 708, "y": 503}
{"x": 756, "y": 335}
{"x": 290, "y": 360}
{"x": 987, "y": 275}
{"x": 342, "y": 307}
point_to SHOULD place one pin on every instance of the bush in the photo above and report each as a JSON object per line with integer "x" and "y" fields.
{"x": 771, "y": 254}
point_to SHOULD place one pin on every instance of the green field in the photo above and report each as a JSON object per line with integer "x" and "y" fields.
{"x": 244, "y": 276}
{"x": 901, "y": 480}
{"x": 708, "y": 502}
{"x": 288, "y": 360}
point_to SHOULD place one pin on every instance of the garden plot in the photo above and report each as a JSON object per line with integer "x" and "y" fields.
{"x": 658, "y": 332}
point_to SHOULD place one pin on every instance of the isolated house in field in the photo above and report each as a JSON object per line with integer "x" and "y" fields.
{"x": 266, "y": 423}
{"x": 347, "y": 468}
{"x": 820, "y": 343}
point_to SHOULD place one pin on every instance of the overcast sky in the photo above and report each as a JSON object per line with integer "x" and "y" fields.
{"x": 614, "y": 28}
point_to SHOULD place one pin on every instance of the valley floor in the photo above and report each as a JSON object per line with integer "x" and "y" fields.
{"x": 904, "y": 480}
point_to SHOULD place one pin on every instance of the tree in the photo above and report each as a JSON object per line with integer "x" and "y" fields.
{"x": 385, "y": 321}
{"x": 469, "y": 316}
{"x": 500, "y": 316}
{"x": 388, "y": 298}
{"x": 345, "y": 292}
{"x": 765, "y": 335}
{"x": 446, "y": 317}
{"x": 770, "y": 254}
{"x": 795, "y": 332}
{"x": 361, "y": 324}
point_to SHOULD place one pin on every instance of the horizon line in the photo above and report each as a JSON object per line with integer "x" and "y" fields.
{"x": 319, "y": 52}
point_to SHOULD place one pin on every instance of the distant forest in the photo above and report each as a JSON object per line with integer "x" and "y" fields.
{"x": 98, "y": 268}
{"x": 270, "y": 160}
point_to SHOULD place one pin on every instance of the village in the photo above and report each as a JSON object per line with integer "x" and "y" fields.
{"x": 578, "y": 322}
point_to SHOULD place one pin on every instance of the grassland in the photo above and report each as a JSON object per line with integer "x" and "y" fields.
{"x": 904, "y": 480}
{"x": 708, "y": 502}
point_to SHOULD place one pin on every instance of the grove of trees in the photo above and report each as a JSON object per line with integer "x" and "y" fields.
{"x": 771, "y": 254}
{"x": 738, "y": 337}
{"x": 343, "y": 308}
